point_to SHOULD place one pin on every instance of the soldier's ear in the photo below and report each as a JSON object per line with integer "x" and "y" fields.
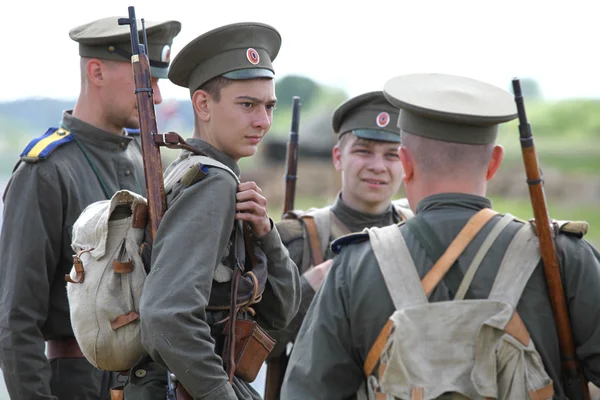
{"x": 407, "y": 164}
{"x": 201, "y": 103}
{"x": 495, "y": 161}
{"x": 336, "y": 155}
{"x": 95, "y": 71}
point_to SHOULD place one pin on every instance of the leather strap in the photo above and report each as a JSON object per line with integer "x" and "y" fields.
{"x": 458, "y": 245}
{"x": 516, "y": 328}
{"x": 313, "y": 239}
{"x": 117, "y": 393}
{"x": 122, "y": 267}
{"x": 547, "y": 392}
{"x": 432, "y": 278}
{"x": 123, "y": 320}
{"x": 79, "y": 271}
{"x": 140, "y": 216}
{"x": 417, "y": 393}
{"x": 182, "y": 394}
{"x": 377, "y": 348}
{"x": 63, "y": 348}
{"x": 238, "y": 269}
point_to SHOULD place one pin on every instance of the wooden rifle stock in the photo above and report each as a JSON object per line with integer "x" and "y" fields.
{"x": 547, "y": 246}
{"x": 153, "y": 172}
{"x": 292, "y": 159}
{"x": 276, "y": 367}
{"x": 151, "y": 140}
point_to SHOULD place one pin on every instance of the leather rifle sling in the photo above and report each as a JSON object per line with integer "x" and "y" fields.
{"x": 433, "y": 277}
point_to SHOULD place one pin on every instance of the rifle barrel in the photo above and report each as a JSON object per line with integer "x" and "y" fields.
{"x": 292, "y": 158}
{"x": 547, "y": 245}
{"x": 155, "y": 192}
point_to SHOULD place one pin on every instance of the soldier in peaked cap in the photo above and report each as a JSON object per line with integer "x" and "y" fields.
{"x": 366, "y": 154}
{"x": 448, "y": 128}
{"x": 187, "y": 298}
{"x": 93, "y": 153}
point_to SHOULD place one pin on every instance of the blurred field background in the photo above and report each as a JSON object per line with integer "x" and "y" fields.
{"x": 566, "y": 132}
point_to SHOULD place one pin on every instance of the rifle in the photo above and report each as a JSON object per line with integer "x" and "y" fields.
{"x": 151, "y": 140}
{"x": 292, "y": 159}
{"x": 549, "y": 255}
{"x": 276, "y": 366}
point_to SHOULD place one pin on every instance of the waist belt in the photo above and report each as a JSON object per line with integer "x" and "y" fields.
{"x": 63, "y": 348}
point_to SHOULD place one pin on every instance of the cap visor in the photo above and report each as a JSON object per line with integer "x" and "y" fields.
{"x": 374, "y": 134}
{"x": 159, "y": 73}
{"x": 250, "y": 73}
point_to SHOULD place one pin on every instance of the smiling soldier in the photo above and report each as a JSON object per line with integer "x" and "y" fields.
{"x": 366, "y": 154}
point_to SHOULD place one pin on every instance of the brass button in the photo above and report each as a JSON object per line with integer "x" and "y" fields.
{"x": 140, "y": 373}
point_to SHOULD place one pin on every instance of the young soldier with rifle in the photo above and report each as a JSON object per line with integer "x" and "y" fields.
{"x": 87, "y": 158}
{"x": 467, "y": 311}
{"x": 367, "y": 157}
{"x": 219, "y": 274}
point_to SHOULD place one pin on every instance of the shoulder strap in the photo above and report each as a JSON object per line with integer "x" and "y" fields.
{"x": 318, "y": 227}
{"x": 429, "y": 240}
{"x": 403, "y": 209}
{"x": 520, "y": 260}
{"x": 176, "y": 171}
{"x": 391, "y": 249}
{"x": 313, "y": 239}
{"x": 427, "y": 237}
{"x": 458, "y": 245}
{"x": 401, "y": 278}
{"x": 204, "y": 160}
{"x": 322, "y": 218}
{"x": 481, "y": 253}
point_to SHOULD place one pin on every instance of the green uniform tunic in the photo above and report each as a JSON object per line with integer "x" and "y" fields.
{"x": 349, "y": 312}
{"x": 193, "y": 238}
{"x": 41, "y": 203}
{"x": 293, "y": 235}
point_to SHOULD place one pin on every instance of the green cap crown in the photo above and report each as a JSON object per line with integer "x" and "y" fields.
{"x": 368, "y": 116}
{"x": 450, "y": 108}
{"x": 237, "y": 51}
{"x": 106, "y": 39}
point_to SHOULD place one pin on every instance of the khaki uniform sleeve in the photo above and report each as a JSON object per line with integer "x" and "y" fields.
{"x": 580, "y": 262}
{"x": 30, "y": 245}
{"x": 290, "y": 332}
{"x": 291, "y": 232}
{"x": 190, "y": 242}
{"x": 322, "y": 364}
{"x": 281, "y": 297}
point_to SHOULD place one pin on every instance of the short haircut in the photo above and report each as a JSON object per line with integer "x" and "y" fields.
{"x": 214, "y": 86}
{"x": 447, "y": 159}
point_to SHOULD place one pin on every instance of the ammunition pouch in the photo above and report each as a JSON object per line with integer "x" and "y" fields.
{"x": 252, "y": 346}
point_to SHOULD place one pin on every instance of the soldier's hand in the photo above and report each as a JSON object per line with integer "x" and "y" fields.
{"x": 316, "y": 275}
{"x": 251, "y": 207}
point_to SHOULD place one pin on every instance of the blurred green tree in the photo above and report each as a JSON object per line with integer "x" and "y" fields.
{"x": 295, "y": 85}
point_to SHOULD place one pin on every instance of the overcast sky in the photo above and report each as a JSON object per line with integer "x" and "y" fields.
{"x": 354, "y": 47}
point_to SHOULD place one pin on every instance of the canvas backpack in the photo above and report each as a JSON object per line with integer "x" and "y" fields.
{"x": 105, "y": 284}
{"x": 321, "y": 224}
{"x": 457, "y": 349}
